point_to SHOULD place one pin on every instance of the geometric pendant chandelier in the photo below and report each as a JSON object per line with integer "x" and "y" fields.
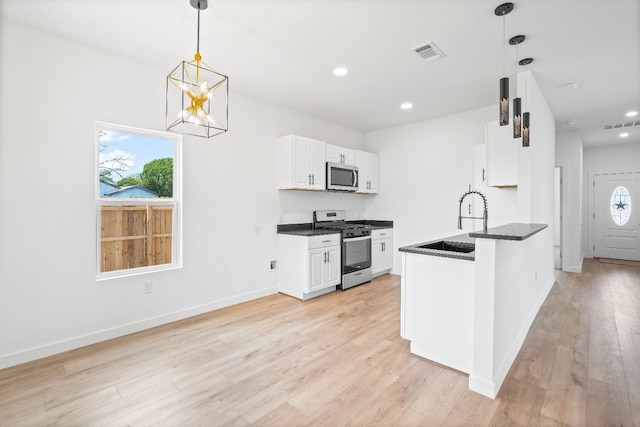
{"x": 197, "y": 95}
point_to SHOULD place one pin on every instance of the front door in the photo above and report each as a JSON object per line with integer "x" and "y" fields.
{"x": 617, "y": 216}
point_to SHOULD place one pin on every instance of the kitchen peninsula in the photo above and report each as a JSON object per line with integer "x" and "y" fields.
{"x": 468, "y": 300}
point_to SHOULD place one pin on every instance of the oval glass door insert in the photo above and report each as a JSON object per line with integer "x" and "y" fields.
{"x": 620, "y": 206}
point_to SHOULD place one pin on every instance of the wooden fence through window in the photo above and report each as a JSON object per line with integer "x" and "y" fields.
{"x": 135, "y": 236}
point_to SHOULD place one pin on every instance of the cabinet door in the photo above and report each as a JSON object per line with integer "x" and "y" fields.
{"x": 317, "y": 164}
{"x": 502, "y": 155}
{"x": 480, "y": 167}
{"x": 386, "y": 262}
{"x": 301, "y": 154}
{"x": 333, "y": 273}
{"x": 367, "y": 164}
{"x": 337, "y": 154}
{"x": 376, "y": 256}
{"x": 317, "y": 262}
{"x": 349, "y": 157}
{"x": 373, "y": 169}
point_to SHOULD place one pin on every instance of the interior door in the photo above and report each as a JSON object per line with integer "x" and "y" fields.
{"x": 557, "y": 219}
{"x": 617, "y": 216}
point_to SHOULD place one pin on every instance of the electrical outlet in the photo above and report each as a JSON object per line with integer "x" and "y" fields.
{"x": 273, "y": 265}
{"x": 148, "y": 287}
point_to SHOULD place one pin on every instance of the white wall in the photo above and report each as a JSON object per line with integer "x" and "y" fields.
{"x": 53, "y": 90}
{"x": 536, "y": 166}
{"x": 612, "y": 158}
{"x": 569, "y": 155}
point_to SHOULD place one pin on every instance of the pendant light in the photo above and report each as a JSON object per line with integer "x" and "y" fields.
{"x": 197, "y": 95}
{"x": 517, "y": 107}
{"x": 503, "y": 105}
{"x": 526, "y": 117}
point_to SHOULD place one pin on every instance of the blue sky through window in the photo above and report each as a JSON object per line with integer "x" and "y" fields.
{"x": 130, "y": 152}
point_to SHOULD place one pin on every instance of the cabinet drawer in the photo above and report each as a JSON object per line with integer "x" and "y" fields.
{"x": 384, "y": 233}
{"x": 324, "y": 241}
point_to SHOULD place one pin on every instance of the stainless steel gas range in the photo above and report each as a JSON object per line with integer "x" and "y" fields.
{"x": 356, "y": 246}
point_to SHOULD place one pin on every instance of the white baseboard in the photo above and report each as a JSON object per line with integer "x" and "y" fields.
{"x": 574, "y": 268}
{"x": 485, "y": 388}
{"x": 12, "y": 359}
{"x": 491, "y": 388}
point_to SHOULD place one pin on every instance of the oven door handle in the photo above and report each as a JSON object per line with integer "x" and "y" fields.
{"x": 356, "y": 239}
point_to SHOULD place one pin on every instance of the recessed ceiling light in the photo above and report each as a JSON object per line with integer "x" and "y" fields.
{"x": 631, "y": 114}
{"x": 624, "y": 135}
{"x": 571, "y": 122}
{"x": 406, "y": 106}
{"x": 573, "y": 85}
{"x": 340, "y": 71}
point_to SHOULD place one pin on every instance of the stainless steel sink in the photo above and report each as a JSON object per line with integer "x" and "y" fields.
{"x": 450, "y": 246}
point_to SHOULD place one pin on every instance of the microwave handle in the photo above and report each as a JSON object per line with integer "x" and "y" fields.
{"x": 355, "y": 178}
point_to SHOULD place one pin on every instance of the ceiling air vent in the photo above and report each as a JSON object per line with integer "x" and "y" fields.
{"x": 429, "y": 52}
{"x": 621, "y": 125}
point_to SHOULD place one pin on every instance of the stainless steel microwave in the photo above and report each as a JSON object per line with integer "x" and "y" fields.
{"x": 341, "y": 177}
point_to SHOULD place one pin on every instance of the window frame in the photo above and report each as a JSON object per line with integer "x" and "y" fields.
{"x": 175, "y": 201}
{"x": 627, "y": 195}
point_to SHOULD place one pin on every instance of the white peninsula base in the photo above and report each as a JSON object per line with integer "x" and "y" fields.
{"x": 472, "y": 312}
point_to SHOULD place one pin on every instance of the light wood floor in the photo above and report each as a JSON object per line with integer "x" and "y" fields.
{"x": 339, "y": 360}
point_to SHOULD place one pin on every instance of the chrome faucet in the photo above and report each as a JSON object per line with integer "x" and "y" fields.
{"x": 485, "y": 213}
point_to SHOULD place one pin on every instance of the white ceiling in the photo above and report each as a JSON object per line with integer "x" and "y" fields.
{"x": 283, "y": 51}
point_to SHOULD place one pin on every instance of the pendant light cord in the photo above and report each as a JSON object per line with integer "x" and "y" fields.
{"x": 198, "y": 42}
{"x": 504, "y": 42}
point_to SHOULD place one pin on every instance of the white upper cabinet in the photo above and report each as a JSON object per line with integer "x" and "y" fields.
{"x": 368, "y": 171}
{"x": 336, "y": 154}
{"x": 300, "y": 163}
{"x": 480, "y": 167}
{"x": 502, "y": 155}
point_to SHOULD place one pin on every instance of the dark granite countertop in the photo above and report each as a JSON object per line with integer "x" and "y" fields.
{"x": 513, "y": 231}
{"x": 461, "y": 238}
{"x": 309, "y": 233}
{"x": 306, "y": 229}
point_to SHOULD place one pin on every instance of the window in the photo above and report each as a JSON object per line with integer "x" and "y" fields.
{"x": 138, "y": 184}
{"x": 620, "y": 205}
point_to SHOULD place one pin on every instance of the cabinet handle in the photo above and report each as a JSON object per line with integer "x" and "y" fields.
{"x": 313, "y": 178}
{"x": 326, "y": 241}
{"x": 483, "y": 174}
{"x": 326, "y": 257}
{"x": 309, "y": 179}
{"x": 382, "y": 246}
{"x": 469, "y": 208}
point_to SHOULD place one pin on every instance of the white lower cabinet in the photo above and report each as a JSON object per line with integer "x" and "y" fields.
{"x": 309, "y": 265}
{"x": 381, "y": 251}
